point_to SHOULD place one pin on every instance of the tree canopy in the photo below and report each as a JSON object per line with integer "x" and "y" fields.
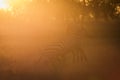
{"x": 104, "y": 8}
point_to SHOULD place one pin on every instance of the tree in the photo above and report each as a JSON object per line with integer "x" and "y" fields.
{"x": 104, "y": 8}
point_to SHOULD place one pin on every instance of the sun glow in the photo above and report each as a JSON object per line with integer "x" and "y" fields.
{"x": 14, "y": 6}
{"x": 4, "y": 5}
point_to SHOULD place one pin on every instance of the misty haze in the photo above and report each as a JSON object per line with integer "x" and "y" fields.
{"x": 59, "y": 40}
